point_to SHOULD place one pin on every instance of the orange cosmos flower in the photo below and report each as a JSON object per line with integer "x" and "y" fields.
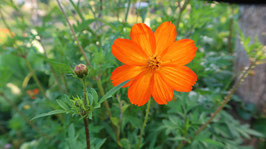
{"x": 154, "y": 63}
{"x": 33, "y": 93}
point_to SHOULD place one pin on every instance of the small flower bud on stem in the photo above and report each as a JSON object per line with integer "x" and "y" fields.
{"x": 81, "y": 70}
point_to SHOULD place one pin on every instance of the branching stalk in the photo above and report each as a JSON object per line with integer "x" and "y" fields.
{"x": 227, "y": 98}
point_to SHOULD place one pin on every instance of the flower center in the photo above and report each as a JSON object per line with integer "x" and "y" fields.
{"x": 154, "y": 63}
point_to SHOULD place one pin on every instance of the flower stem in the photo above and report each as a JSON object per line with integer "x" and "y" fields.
{"x": 36, "y": 78}
{"x": 85, "y": 119}
{"x": 144, "y": 123}
{"x": 100, "y": 87}
{"x": 127, "y": 10}
{"x": 231, "y": 24}
{"x": 87, "y": 132}
{"x": 227, "y": 98}
{"x": 74, "y": 34}
{"x": 77, "y": 10}
{"x": 181, "y": 10}
{"x": 120, "y": 119}
{"x": 107, "y": 107}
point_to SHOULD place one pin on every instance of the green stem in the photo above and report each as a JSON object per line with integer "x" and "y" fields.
{"x": 77, "y": 10}
{"x": 181, "y": 10}
{"x": 18, "y": 11}
{"x": 35, "y": 78}
{"x": 82, "y": 18}
{"x": 118, "y": 10}
{"x": 100, "y": 9}
{"x": 178, "y": 20}
{"x": 93, "y": 12}
{"x": 74, "y": 34}
{"x": 84, "y": 91}
{"x": 231, "y": 23}
{"x": 106, "y": 105}
{"x": 144, "y": 123}
{"x": 85, "y": 119}
{"x": 128, "y": 6}
{"x": 100, "y": 87}
{"x": 138, "y": 11}
{"x": 227, "y": 98}
{"x": 120, "y": 119}
{"x": 242, "y": 77}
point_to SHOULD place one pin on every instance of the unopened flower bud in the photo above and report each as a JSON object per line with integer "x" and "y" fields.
{"x": 81, "y": 70}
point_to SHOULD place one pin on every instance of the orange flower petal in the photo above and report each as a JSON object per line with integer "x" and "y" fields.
{"x": 180, "y": 78}
{"x": 161, "y": 92}
{"x": 144, "y": 37}
{"x": 124, "y": 73}
{"x": 179, "y": 53}
{"x": 128, "y": 52}
{"x": 165, "y": 35}
{"x": 29, "y": 92}
{"x": 36, "y": 91}
{"x": 139, "y": 91}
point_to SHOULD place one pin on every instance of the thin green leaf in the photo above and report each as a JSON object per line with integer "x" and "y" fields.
{"x": 94, "y": 94}
{"x": 112, "y": 91}
{"x": 90, "y": 99}
{"x": 48, "y": 114}
{"x": 115, "y": 121}
{"x": 254, "y": 133}
{"x": 100, "y": 143}
{"x": 62, "y": 104}
{"x": 213, "y": 142}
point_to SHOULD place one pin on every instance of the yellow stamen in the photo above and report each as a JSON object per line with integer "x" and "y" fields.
{"x": 153, "y": 63}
